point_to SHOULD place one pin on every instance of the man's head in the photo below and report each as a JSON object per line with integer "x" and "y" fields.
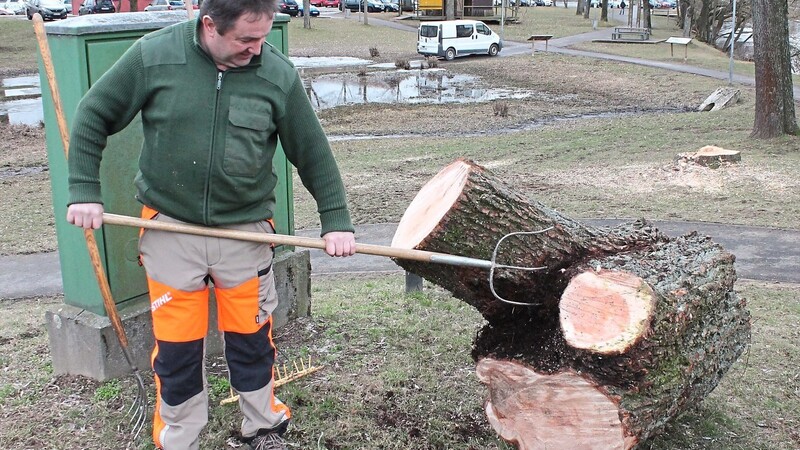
{"x": 232, "y": 31}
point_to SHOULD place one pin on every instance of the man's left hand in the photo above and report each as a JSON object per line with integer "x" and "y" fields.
{"x": 340, "y": 243}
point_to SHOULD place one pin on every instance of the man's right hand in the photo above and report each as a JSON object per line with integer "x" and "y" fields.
{"x": 85, "y": 215}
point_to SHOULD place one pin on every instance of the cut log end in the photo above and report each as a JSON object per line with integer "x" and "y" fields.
{"x": 562, "y": 410}
{"x": 605, "y": 312}
{"x": 431, "y": 204}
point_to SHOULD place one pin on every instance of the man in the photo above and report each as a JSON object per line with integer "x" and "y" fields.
{"x": 214, "y": 98}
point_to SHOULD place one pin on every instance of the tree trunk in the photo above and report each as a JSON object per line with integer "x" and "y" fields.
{"x": 688, "y": 11}
{"x": 774, "y": 114}
{"x": 465, "y": 210}
{"x": 581, "y": 4}
{"x": 306, "y": 14}
{"x": 625, "y": 328}
{"x": 604, "y": 12}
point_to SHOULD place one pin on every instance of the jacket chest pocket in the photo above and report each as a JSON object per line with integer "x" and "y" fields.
{"x": 246, "y": 149}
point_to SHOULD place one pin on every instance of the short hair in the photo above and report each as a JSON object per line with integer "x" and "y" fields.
{"x": 225, "y": 13}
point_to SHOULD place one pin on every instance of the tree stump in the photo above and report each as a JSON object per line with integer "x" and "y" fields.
{"x": 626, "y": 329}
{"x": 710, "y": 156}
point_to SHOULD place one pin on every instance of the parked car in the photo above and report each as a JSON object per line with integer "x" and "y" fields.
{"x": 68, "y": 6}
{"x": 49, "y": 9}
{"x": 96, "y": 7}
{"x": 544, "y": 3}
{"x": 289, "y": 7}
{"x": 165, "y": 5}
{"x": 15, "y": 7}
{"x": 358, "y": 5}
{"x": 313, "y": 11}
{"x": 390, "y": 6}
{"x": 330, "y": 3}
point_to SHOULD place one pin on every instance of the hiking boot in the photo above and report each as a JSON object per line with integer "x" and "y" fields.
{"x": 269, "y": 441}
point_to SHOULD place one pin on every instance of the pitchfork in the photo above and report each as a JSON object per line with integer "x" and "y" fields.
{"x": 139, "y": 406}
{"x": 368, "y": 249}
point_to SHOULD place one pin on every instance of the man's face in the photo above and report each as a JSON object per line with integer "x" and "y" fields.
{"x": 239, "y": 44}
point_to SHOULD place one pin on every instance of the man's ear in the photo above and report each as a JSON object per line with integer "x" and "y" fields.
{"x": 208, "y": 24}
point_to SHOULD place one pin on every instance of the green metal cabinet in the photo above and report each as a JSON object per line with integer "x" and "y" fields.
{"x": 83, "y": 48}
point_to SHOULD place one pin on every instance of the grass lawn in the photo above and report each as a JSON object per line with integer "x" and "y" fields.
{"x": 18, "y": 51}
{"x": 397, "y": 375}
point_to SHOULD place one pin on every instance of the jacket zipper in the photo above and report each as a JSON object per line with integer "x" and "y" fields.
{"x": 207, "y": 196}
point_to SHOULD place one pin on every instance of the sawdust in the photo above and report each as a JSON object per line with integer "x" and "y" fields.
{"x": 649, "y": 179}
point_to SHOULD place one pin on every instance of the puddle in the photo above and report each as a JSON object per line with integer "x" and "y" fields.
{"x": 23, "y": 105}
{"x": 307, "y": 62}
{"x": 15, "y": 82}
{"x": 429, "y": 86}
{"x": 22, "y": 112}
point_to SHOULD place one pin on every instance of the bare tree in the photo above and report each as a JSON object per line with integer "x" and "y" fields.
{"x": 604, "y": 12}
{"x": 774, "y": 92}
{"x": 307, "y": 14}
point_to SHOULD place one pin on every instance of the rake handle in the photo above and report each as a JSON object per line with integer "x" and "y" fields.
{"x": 91, "y": 243}
{"x": 299, "y": 241}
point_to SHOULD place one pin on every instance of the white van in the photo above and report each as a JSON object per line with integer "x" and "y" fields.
{"x": 457, "y": 38}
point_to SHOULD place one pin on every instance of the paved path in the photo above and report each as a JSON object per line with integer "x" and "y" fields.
{"x": 761, "y": 254}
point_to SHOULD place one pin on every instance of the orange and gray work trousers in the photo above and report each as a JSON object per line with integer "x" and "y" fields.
{"x": 179, "y": 268}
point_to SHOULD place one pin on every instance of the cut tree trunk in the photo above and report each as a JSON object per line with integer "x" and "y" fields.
{"x": 711, "y": 156}
{"x": 465, "y": 210}
{"x": 628, "y": 330}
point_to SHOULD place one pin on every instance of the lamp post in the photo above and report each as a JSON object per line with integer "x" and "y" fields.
{"x": 733, "y": 43}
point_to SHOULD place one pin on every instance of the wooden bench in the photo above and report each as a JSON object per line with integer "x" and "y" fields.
{"x": 629, "y": 33}
{"x": 539, "y": 37}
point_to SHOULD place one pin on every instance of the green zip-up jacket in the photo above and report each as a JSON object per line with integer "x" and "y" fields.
{"x": 209, "y": 135}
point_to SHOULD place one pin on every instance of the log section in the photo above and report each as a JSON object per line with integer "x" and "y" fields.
{"x": 465, "y": 210}
{"x": 630, "y": 327}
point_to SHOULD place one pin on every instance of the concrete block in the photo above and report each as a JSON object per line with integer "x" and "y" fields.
{"x": 84, "y": 343}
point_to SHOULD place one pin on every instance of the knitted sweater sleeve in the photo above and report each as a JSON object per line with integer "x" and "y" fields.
{"x": 108, "y": 107}
{"x": 307, "y": 148}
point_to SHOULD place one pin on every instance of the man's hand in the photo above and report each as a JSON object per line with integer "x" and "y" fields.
{"x": 85, "y": 215}
{"x": 340, "y": 243}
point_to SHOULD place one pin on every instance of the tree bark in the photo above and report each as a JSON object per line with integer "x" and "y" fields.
{"x": 627, "y": 328}
{"x": 774, "y": 115}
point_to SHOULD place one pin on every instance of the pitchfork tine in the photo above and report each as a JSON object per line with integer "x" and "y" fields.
{"x": 139, "y": 407}
{"x": 501, "y": 266}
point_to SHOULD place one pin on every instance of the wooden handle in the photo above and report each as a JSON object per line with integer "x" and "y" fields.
{"x": 91, "y": 243}
{"x": 47, "y": 62}
{"x": 299, "y": 241}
